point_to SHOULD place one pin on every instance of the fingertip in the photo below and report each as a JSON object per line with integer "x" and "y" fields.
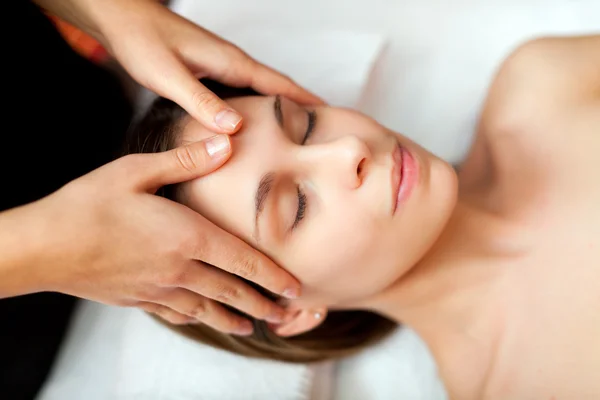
{"x": 286, "y": 284}
{"x": 313, "y": 99}
{"x": 319, "y": 100}
{"x": 212, "y": 112}
{"x": 228, "y": 120}
{"x": 269, "y": 81}
{"x": 245, "y": 328}
{"x": 218, "y": 147}
{"x": 304, "y": 96}
{"x": 276, "y": 316}
{"x": 292, "y": 293}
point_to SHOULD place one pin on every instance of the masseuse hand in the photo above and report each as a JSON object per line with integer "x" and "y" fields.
{"x": 167, "y": 53}
{"x": 140, "y": 249}
{"x": 108, "y": 238}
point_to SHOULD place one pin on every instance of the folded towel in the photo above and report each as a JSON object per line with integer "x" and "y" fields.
{"x": 400, "y": 367}
{"x": 155, "y": 363}
{"x": 123, "y": 354}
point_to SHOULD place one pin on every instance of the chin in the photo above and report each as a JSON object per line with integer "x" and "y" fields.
{"x": 443, "y": 192}
{"x": 438, "y": 200}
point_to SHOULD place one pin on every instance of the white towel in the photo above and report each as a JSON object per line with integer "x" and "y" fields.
{"x": 155, "y": 363}
{"x": 123, "y": 354}
{"x": 400, "y": 367}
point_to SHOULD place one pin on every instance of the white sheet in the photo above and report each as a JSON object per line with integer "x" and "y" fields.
{"x": 429, "y": 83}
{"x": 113, "y": 353}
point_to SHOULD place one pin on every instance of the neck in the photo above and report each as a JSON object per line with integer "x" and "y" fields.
{"x": 450, "y": 298}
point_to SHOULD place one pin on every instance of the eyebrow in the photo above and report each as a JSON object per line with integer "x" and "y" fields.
{"x": 277, "y": 111}
{"x": 266, "y": 182}
{"x": 262, "y": 192}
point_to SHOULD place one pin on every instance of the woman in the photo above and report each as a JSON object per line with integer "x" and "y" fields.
{"x": 496, "y": 266}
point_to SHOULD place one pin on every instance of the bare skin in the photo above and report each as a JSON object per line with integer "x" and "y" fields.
{"x": 508, "y": 300}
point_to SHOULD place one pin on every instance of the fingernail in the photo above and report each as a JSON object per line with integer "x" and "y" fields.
{"x": 228, "y": 119}
{"x": 320, "y": 100}
{"x": 217, "y": 146}
{"x": 276, "y": 317}
{"x": 291, "y": 293}
{"x": 244, "y": 329}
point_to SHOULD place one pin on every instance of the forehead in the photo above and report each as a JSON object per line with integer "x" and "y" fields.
{"x": 226, "y": 196}
{"x": 252, "y": 108}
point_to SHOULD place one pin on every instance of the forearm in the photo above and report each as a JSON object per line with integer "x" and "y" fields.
{"x": 91, "y": 16}
{"x": 21, "y": 252}
{"x": 79, "y": 13}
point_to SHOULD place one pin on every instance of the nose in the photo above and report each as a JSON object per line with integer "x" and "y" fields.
{"x": 344, "y": 160}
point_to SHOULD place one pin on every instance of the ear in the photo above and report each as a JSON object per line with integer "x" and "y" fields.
{"x": 299, "y": 320}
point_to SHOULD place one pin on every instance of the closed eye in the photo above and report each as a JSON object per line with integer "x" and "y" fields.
{"x": 301, "y": 208}
{"x": 312, "y": 119}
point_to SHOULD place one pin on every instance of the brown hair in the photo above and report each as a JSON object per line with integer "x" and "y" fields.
{"x": 342, "y": 333}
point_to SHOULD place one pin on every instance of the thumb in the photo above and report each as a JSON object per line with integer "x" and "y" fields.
{"x": 187, "y": 162}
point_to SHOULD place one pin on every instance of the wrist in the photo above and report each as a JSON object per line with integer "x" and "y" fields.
{"x": 22, "y": 252}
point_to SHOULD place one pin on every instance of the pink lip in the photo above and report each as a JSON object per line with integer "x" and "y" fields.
{"x": 404, "y": 176}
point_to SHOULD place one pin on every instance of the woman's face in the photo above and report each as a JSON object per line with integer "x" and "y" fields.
{"x": 316, "y": 189}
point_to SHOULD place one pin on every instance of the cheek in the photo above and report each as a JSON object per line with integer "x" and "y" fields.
{"x": 340, "y": 255}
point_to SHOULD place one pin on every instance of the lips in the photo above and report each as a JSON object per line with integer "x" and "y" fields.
{"x": 396, "y": 175}
{"x": 404, "y": 175}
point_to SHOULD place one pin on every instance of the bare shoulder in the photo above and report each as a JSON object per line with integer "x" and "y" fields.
{"x": 545, "y": 94}
{"x": 542, "y": 77}
{"x": 540, "y": 132}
